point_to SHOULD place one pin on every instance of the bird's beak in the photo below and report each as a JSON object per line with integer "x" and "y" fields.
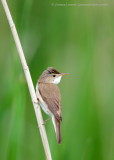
{"x": 63, "y": 74}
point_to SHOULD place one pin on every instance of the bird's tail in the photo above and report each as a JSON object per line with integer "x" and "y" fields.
{"x": 56, "y": 124}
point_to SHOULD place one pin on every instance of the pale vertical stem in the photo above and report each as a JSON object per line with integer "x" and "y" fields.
{"x": 29, "y": 81}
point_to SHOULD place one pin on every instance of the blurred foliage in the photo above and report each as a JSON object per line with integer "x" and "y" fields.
{"x": 74, "y": 39}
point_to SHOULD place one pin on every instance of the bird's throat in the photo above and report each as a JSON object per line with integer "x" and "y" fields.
{"x": 57, "y": 80}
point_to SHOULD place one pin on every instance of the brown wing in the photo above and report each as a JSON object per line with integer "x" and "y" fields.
{"x": 51, "y": 95}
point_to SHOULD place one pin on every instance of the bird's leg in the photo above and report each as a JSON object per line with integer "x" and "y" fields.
{"x": 46, "y": 120}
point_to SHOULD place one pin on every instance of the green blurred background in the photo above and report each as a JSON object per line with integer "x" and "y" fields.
{"x": 74, "y": 39}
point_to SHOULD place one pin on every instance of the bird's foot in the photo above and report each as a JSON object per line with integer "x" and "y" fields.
{"x": 35, "y": 102}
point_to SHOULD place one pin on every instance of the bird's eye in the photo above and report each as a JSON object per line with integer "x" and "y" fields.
{"x": 54, "y": 75}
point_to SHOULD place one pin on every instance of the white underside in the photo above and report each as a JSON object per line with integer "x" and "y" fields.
{"x": 45, "y": 107}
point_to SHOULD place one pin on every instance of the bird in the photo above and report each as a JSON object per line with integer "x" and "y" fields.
{"x": 49, "y": 97}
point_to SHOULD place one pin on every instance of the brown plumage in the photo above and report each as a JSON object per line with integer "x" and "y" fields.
{"x": 49, "y": 91}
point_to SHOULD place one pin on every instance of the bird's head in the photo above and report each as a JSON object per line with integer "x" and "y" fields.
{"x": 51, "y": 75}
